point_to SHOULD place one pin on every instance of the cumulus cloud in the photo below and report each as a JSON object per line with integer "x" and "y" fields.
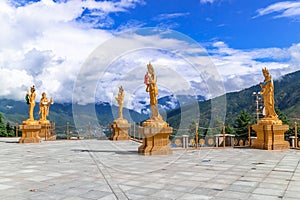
{"x": 54, "y": 46}
{"x": 125, "y": 62}
{"x": 289, "y": 9}
{"x": 46, "y": 42}
{"x": 294, "y": 51}
{"x": 13, "y": 82}
{"x": 242, "y": 68}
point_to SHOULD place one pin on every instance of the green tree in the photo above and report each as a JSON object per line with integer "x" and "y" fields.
{"x": 285, "y": 120}
{"x": 241, "y": 123}
{"x": 3, "y": 132}
{"x": 192, "y": 128}
{"x": 201, "y": 132}
{"x": 216, "y": 127}
{"x": 229, "y": 130}
{"x": 282, "y": 116}
{"x": 8, "y": 127}
{"x": 10, "y": 130}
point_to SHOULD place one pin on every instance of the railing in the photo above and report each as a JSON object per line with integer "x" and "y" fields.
{"x": 181, "y": 138}
{"x": 134, "y": 133}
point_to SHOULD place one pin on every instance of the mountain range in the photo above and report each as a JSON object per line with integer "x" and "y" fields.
{"x": 174, "y": 109}
{"x": 287, "y": 100}
{"x": 17, "y": 111}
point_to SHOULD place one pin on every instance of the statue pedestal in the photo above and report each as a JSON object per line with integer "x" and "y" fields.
{"x": 120, "y": 130}
{"x": 270, "y": 135}
{"x": 155, "y": 138}
{"x": 30, "y": 132}
{"x": 45, "y": 131}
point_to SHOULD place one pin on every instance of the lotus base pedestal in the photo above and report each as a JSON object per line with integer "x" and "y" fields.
{"x": 120, "y": 130}
{"x": 270, "y": 137}
{"x": 30, "y": 132}
{"x": 155, "y": 140}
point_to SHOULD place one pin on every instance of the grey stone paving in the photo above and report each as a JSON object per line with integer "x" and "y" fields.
{"x": 100, "y": 169}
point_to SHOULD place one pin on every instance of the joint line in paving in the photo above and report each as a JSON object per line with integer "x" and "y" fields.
{"x": 291, "y": 178}
{"x": 122, "y": 194}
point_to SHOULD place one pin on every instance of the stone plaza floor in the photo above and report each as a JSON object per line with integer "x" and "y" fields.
{"x": 102, "y": 169}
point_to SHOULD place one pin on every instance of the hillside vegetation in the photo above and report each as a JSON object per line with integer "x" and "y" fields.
{"x": 287, "y": 100}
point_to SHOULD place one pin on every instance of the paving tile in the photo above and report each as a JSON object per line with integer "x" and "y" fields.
{"x": 287, "y": 198}
{"x": 240, "y": 188}
{"x": 168, "y": 194}
{"x": 73, "y": 198}
{"x": 5, "y": 187}
{"x": 206, "y": 191}
{"x": 245, "y": 183}
{"x": 158, "y": 186}
{"x": 270, "y": 192}
{"x": 14, "y": 197}
{"x": 273, "y": 185}
{"x": 108, "y": 197}
{"x": 137, "y": 196}
{"x": 194, "y": 196}
{"x": 293, "y": 187}
{"x": 264, "y": 197}
{"x": 233, "y": 195}
{"x": 101, "y": 169}
{"x": 94, "y": 194}
{"x": 125, "y": 188}
{"x": 180, "y": 188}
{"x": 142, "y": 191}
{"x": 292, "y": 194}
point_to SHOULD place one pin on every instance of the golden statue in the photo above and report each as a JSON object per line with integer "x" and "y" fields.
{"x": 44, "y": 107}
{"x": 267, "y": 91}
{"x": 30, "y": 128}
{"x": 155, "y": 131}
{"x": 30, "y": 98}
{"x": 120, "y": 100}
{"x": 269, "y": 130}
{"x": 120, "y": 126}
{"x": 150, "y": 81}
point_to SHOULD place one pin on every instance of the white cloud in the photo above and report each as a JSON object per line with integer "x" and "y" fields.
{"x": 242, "y": 68}
{"x": 122, "y": 61}
{"x": 43, "y": 44}
{"x": 98, "y": 11}
{"x": 14, "y": 83}
{"x": 130, "y": 25}
{"x": 169, "y": 20}
{"x": 168, "y": 16}
{"x": 294, "y": 51}
{"x": 181, "y": 67}
{"x": 282, "y": 9}
{"x": 207, "y": 1}
{"x": 46, "y": 43}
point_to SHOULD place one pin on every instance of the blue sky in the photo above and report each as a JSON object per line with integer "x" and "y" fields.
{"x": 47, "y": 43}
{"x": 235, "y": 22}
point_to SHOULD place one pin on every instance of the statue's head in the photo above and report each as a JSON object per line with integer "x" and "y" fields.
{"x": 150, "y": 68}
{"x": 44, "y": 95}
{"x": 32, "y": 89}
{"x": 266, "y": 73}
{"x": 121, "y": 89}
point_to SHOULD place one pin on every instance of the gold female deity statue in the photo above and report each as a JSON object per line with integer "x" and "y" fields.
{"x": 150, "y": 81}
{"x": 267, "y": 91}
{"x": 120, "y": 100}
{"x": 30, "y": 98}
{"x": 44, "y": 107}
